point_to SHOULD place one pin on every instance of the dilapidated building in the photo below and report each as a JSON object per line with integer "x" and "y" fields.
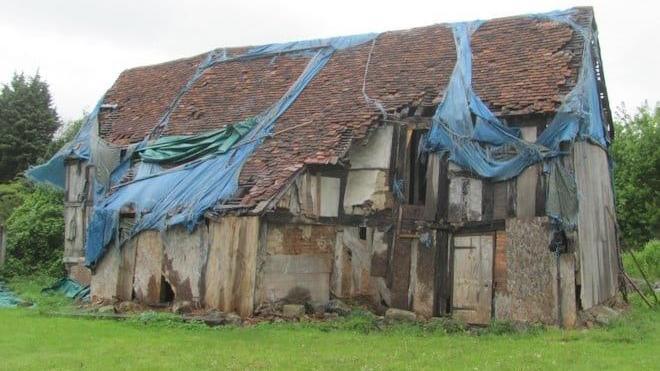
{"x": 451, "y": 169}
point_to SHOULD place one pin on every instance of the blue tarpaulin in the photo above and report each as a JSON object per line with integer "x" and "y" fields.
{"x": 180, "y": 195}
{"x": 462, "y": 126}
{"x": 475, "y": 139}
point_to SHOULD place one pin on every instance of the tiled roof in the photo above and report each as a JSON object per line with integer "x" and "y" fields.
{"x": 521, "y": 65}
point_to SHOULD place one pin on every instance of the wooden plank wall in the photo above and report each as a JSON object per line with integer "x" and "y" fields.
{"x": 231, "y": 269}
{"x": 596, "y": 227}
{"x": 184, "y": 261}
{"x": 148, "y": 267}
{"x": 527, "y": 181}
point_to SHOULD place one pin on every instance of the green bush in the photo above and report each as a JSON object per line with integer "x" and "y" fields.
{"x": 637, "y": 174}
{"x": 12, "y": 195}
{"x": 648, "y": 258}
{"x": 35, "y": 235}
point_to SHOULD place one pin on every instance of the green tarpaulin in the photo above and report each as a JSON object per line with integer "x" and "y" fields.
{"x": 69, "y": 288}
{"x": 183, "y": 148}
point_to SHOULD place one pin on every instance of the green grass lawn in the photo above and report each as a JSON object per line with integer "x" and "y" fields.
{"x": 31, "y": 340}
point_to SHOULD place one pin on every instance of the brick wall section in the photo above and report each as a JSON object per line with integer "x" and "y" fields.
{"x": 499, "y": 270}
{"x": 520, "y": 66}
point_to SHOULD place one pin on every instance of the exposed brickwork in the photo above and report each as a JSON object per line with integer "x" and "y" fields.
{"x": 520, "y": 66}
{"x": 499, "y": 269}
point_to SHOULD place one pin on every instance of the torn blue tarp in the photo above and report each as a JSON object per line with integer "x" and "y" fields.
{"x": 52, "y": 172}
{"x": 476, "y": 140}
{"x": 179, "y": 196}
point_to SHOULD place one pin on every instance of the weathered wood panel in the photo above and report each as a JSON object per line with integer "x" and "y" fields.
{"x": 75, "y": 181}
{"x": 424, "y": 287}
{"x": 432, "y": 186}
{"x": 526, "y": 181}
{"x": 380, "y": 242}
{"x": 472, "y": 282}
{"x": 500, "y": 200}
{"x": 74, "y": 235}
{"x": 351, "y": 274}
{"x": 443, "y": 274}
{"x": 127, "y": 270}
{"x": 148, "y": 272}
{"x": 230, "y": 275}
{"x": 184, "y": 261}
{"x": 443, "y": 189}
{"x": 596, "y": 227}
{"x": 465, "y": 198}
{"x": 106, "y": 275}
{"x": 400, "y": 284}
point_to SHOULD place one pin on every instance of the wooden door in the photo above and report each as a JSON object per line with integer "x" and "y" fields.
{"x": 473, "y": 278}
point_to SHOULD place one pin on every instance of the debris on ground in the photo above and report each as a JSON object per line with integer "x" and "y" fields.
{"x": 337, "y": 306}
{"x": 399, "y": 315}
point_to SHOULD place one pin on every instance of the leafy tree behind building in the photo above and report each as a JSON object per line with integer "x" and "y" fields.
{"x": 636, "y": 154}
{"x": 28, "y": 121}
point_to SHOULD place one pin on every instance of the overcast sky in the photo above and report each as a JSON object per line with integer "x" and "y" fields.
{"x": 81, "y": 46}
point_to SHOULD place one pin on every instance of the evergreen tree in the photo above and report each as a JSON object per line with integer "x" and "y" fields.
{"x": 28, "y": 121}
